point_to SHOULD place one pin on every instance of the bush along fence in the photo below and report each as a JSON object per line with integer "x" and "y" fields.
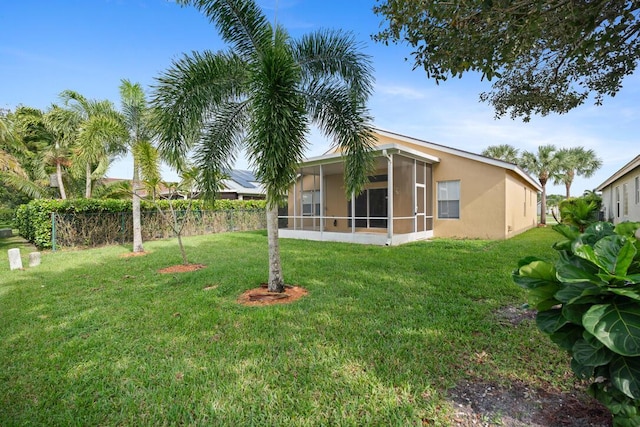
{"x": 52, "y": 224}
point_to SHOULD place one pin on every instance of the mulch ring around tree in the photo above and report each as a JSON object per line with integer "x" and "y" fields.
{"x": 260, "y": 296}
{"x": 181, "y": 268}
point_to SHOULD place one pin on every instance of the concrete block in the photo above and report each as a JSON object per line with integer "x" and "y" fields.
{"x": 6, "y": 232}
{"x": 15, "y": 261}
{"x": 34, "y": 259}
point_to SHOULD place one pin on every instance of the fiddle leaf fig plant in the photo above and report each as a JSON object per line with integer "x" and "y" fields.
{"x": 588, "y": 303}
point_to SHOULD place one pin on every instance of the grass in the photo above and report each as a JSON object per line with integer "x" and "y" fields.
{"x": 91, "y": 338}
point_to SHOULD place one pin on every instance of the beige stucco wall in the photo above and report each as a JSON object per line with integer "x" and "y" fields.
{"x": 490, "y": 207}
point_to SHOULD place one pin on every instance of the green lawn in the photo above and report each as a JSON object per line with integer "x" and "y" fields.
{"x": 91, "y": 338}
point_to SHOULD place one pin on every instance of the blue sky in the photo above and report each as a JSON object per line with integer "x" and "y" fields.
{"x": 48, "y": 46}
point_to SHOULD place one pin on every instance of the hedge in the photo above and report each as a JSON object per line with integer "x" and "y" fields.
{"x": 33, "y": 220}
{"x": 6, "y": 217}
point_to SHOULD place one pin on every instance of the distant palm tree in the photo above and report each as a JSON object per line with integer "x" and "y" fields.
{"x": 575, "y": 161}
{"x": 137, "y": 121}
{"x": 543, "y": 164}
{"x": 101, "y": 136}
{"x": 262, "y": 95}
{"x": 505, "y": 152}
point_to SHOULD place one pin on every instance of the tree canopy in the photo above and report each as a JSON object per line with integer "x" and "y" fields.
{"x": 546, "y": 56}
{"x": 262, "y": 94}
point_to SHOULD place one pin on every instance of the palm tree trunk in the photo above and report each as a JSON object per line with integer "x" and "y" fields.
{"x": 276, "y": 281}
{"x": 63, "y": 194}
{"x": 567, "y": 186}
{"x": 87, "y": 187}
{"x": 135, "y": 210}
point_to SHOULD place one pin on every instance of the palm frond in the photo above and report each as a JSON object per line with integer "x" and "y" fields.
{"x": 186, "y": 95}
{"x": 24, "y": 185}
{"x": 221, "y": 140}
{"x": 241, "y": 23}
{"x": 332, "y": 54}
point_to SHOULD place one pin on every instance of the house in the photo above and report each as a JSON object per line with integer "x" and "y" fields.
{"x": 418, "y": 190}
{"x": 237, "y": 185}
{"x": 621, "y": 193}
{"x": 241, "y": 185}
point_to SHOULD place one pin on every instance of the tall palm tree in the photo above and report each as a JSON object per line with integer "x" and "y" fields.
{"x": 53, "y": 133}
{"x": 136, "y": 117}
{"x": 575, "y": 161}
{"x": 25, "y": 140}
{"x": 542, "y": 164}
{"x": 505, "y": 152}
{"x": 262, "y": 95}
{"x": 101, "y": 136}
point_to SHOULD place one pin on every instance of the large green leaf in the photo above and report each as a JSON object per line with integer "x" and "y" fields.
{"x": 535, "y": 274}
{"x": 627, "y": 292}
{"x": 586, "y": 354}
{"x": 551, "y": 320}
{"x": 567, "y": 336}
{"x": 574, "y": 312}
{"x": 542, "y": 298}
{"x": 582, "y": 371}
{"x": 627, "y": 228}
{"x": 571, "y": 269}
{"x": 597, "y": 231}
{"x": 614, "y": 254}
{"x": 616, "y": 325}
{"x": 572, "y": 291}
{"x": 625, "y": 375}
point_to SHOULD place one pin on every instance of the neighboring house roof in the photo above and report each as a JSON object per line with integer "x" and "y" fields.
{"x": 620, "y": 173}
{"x": 238, "y": 182}
{"x": 242, "y": 182}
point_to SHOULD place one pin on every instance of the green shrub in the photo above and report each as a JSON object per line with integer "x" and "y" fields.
{"x": 588, "y": 303}
{"x": 580, "y": 212}
{"x": 33, "y": 220}
{"x": 7, "y": 217}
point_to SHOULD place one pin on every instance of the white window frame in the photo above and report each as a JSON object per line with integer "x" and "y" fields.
{"x": 448, "y": 191}
{"x": 637, "y": 188}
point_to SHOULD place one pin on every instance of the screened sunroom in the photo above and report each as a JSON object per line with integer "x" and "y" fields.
{"x": 396, "y": 206}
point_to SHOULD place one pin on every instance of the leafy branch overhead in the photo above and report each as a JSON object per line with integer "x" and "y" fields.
{"x": 545, "y": 56}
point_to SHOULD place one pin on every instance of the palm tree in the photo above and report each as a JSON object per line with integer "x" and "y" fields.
{"x": 542, "y": 164}
{"x": 25, "y": 144}
{"x": 505, "y": 152}
{"x": 136, "y": 118}
{"x": 575, "y": 161}
{"x": 101, "y": 136}
{"x": 54, "y": 131}
{"x": 262, "y": 95}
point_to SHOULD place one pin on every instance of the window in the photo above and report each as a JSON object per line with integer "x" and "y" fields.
{"x": 525, "y": 201}
{"x": 618, "y": 202}
{"x": 311, "y": 203}
{"x": 637, "y": 184}
{"x": 449, "y": 199}
{"x": 625, "y": 200}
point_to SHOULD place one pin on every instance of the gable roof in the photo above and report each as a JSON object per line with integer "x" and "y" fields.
{"x": 242, "y": 182}
{"x": 450, "y": 150}
{"x": 620, "y": 173}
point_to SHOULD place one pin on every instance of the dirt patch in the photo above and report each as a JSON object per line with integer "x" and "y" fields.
{"x": 487, "y": 404}
{"x": 181, "y": 268}
{"x": 133, "y": 254}
{"x": 513, "y": 316}
{"x": 484, "y": 403}
{"x": 260, "y": 296}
